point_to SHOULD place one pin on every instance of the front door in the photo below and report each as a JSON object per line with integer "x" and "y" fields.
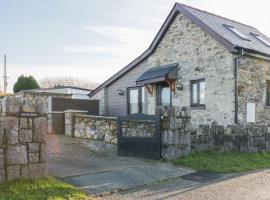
{"x": 164, "y": 95}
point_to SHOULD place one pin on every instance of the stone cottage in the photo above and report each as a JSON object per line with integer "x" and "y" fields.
{"x": 217, "y": 68}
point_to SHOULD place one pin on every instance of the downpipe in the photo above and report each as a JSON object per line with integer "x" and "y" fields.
{"x": 236, "y": 64}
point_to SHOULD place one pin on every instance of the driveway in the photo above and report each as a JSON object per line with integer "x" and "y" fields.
{"x": 95, "y": 167}
{"x": 75, "y": 156}
{"x": 250, "y": 186}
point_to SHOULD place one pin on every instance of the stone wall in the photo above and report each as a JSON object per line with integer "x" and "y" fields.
{"x": 138, "y": 128}
{"x": 241, "y": 138}
{"x": 105, "y": 129}
{"x": 179, "y": 140}
{"x": 23, "y": 147}
{"x": 199, "y": 56}
{"x": 253, "y": 74}
{"x": 69, "y": 124}
{"x": 23, "y": 129}
{"x": 175, "y": 132}
{"x": 96, "y": 128}
{"x": 27, "y": 103}
{"x": 31, "y": 101}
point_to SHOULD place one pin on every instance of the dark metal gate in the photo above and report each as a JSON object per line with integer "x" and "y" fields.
{"x": 139, "y": 135}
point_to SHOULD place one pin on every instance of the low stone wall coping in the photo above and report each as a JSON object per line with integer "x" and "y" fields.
{"x": 55, "y": 112}
{"x": 76, "y": 111}
{"x": 97, "y": 117}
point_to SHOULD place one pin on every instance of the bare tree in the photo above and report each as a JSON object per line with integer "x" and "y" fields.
{"x": 48, "y": 82}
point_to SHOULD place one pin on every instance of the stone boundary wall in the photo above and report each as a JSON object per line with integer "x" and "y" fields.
{"x": 179, "y": 140}
{"x": 138, "y": 128}
{"x": 23, "y": 129}
{"x": 241, "y": 138}
{"x": 105, "y": 128}
{"x": 23, "y": 147}
{"x": 69, "y": 125}
{"x": 175, "y": 132}
{"x": 95, "y": 127}
{"x": 28, "y": 103}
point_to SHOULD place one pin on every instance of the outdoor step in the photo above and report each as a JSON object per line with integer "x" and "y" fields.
{"x": 111, "y": 181}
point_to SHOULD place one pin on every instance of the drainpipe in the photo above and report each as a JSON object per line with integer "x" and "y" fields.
{"x": 236, "y": 63}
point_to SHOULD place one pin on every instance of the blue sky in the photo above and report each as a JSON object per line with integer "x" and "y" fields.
{"x": 93, "y": 39}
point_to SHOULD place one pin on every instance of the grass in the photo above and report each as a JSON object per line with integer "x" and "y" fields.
{"x": 214, "y": 161}
{"x": 40, "y": 189}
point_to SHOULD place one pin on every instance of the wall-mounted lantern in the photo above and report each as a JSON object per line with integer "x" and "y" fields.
{"x": 120, "y": 92}
{"x": 179, "y": 86}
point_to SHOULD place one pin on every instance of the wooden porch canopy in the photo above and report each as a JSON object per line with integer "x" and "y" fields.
{"x": 166, "y": 73}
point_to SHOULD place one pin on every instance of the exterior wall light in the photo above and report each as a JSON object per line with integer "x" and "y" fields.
{"x": 120, "y": 92}
{"x": 179, "y": 86}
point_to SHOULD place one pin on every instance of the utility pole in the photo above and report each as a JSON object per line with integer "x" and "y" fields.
{"x": 5, "y": 74}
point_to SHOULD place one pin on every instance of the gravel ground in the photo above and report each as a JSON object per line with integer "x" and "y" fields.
{"x": 247, "y": 187}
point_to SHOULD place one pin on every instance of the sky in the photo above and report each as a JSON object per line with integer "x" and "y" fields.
{"x": 93, "y": 39}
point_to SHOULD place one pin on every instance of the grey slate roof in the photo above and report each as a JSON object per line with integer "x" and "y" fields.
{"x": 157, "y": 72}
{"x": 216, "y": 22}
{"x": 211, "y": 24}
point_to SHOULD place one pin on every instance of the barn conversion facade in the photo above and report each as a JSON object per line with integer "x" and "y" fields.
{"x": 216, "y": 68}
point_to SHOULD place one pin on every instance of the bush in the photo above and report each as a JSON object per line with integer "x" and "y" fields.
{"x": 25, "y": 83}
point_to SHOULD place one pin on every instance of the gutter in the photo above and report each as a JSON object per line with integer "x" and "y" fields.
{"x": 236, "y": 64}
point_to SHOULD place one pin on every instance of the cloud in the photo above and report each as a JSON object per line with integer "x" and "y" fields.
{"x": 126, "y": 42}
{"x": 126, "y": 35}
{"x": 160, "y": 5}
{"x": 87, "y": 49}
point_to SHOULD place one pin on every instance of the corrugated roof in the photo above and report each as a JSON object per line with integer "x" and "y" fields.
{"x": 210, "y": 23}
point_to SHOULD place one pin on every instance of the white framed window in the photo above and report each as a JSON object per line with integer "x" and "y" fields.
{"x": 198, "y": 93}
{"x": 135, "y": 100}
{"x": 237, "y": 32}
{"x": 261, "y": 39}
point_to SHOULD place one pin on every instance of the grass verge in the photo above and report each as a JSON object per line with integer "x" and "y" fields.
{"x": 40, "y": 189}
{"x": 214, "y": 161}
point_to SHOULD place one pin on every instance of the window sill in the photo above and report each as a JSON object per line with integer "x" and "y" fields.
{"x": 198, "y": 107}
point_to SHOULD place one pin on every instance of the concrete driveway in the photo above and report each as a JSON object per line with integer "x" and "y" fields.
{"x": 95, "y": 167}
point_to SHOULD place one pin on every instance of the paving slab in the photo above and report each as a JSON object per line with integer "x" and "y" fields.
{"x": 131, "y": 177}
{"x": 97, "y": 169}
{"x": 75, "y": 156}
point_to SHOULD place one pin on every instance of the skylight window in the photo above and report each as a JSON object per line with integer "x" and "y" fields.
{"x": 236, "y": 32}
{"x": 258, "y": 37}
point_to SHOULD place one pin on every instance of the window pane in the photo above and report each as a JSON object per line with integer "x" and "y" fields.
{"x": 143, "y": 100}
{"x": 202, "y": 92}
{"x": 194, "y": 93}
{"x": 133, "y": 101}
{"x": 165, "y": 96}
{"x": 268, "y": 92}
